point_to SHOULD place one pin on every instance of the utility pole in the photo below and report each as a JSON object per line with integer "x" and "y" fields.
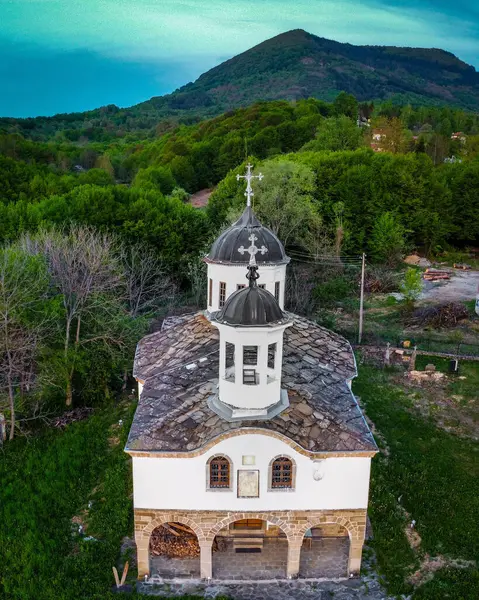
{"x": 361, "y": 301}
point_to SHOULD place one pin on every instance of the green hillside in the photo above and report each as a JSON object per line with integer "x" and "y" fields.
{"x": 291, "y": 66}
{"x": 297, "y": 64}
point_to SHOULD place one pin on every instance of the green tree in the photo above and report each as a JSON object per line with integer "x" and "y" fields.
{"x": 104, "y": 162}
{"x": 387, "y": 240}
{"x": 411, "y": 286}
{"x": 346, "y": 104}
{"x": 23, "y": 284}
{"x": 155, "y": 178}
{"x": 336, "y": 133}
{"x": 284, "y": 199}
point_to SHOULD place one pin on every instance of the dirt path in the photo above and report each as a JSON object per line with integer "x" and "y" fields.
{"x": 200, "y": 199}
{"x": 463, "y": 285}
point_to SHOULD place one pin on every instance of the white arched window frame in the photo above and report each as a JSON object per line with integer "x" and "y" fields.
{"x": 277, "y": 480}
{"x": 215, "y": 472}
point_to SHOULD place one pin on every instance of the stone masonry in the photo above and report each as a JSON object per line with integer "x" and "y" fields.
{"x": 293, "y": 523}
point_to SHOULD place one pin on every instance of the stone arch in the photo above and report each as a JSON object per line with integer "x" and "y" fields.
{"x": 232, "y": 517}
{"x": 351, "y": 528}
{"x": 154, "y": 523}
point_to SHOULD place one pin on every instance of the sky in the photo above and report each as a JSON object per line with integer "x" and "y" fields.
{"x": 74, "y": 55}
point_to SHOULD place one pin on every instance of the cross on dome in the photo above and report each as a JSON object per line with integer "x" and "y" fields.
{"x": 252, "y": 250}
{"x": 249, "y": 177}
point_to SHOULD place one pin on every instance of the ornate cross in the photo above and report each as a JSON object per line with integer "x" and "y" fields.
{"x": 249, "y": 190}
{"x": 252, "y": 250}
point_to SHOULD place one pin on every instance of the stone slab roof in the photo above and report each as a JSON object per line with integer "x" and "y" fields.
{"x": 179, "y": 365}
{"x": 317, "y": 348}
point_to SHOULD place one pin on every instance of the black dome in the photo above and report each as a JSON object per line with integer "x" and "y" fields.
{"x": 251, "y": 306}
{"x": 225, "y": 248}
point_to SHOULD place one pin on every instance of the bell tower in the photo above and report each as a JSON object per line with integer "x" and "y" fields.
{"x": 229, "y": 255}
{"x": 251, "y": 326}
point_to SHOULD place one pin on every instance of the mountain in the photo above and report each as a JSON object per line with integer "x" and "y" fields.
{"x": 290, "y": 66}
{"x": 297, "y": 64}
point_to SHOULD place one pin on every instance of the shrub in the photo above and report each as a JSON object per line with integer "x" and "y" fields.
{"x": 330, "y": 292}
{"x": 411, "y": 287}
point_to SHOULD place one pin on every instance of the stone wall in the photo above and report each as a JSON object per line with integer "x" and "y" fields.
{"x": 294, "y": 524}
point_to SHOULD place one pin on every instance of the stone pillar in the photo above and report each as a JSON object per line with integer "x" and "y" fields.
{"x": 142, "y": 554}
{"x": 355, "y": 552}
{"x": 206, "y": 559}
{"x": 294, "y": 554}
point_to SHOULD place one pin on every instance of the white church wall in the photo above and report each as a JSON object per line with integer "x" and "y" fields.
{"x": 234, "y": 275}
{"x": 181, "y": 483}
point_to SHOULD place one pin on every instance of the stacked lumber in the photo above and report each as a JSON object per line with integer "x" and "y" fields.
{"x": 174, "y": 541}
{"x": 435, "y": 275}
{"x": 462, "y": 266}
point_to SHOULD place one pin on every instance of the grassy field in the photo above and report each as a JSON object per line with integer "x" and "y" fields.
{"x": 425, "y": 474}
{"x": 45, "y": 482}
{"x": 57, "y": 479}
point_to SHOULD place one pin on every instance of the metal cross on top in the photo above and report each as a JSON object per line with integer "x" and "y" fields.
{"x": 249, "y": 190}
{"x": 252, "y": 250}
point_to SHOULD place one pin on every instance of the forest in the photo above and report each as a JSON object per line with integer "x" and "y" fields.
{"x": 99, "y": 240}
{"x": 120, "y": 209}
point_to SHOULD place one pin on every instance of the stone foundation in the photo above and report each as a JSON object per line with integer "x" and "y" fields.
{"x": 294, "y": 524}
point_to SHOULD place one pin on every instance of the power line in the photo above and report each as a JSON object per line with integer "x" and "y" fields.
{"x": 338, "y": 262}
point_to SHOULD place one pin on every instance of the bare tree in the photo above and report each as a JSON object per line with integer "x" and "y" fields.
{"x": 85, "y": 269}
{"x": 147, "y": 284}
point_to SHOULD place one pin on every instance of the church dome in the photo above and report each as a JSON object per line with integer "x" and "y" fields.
{"x": 251, "y": 306}
{"x": 231, "y": 245}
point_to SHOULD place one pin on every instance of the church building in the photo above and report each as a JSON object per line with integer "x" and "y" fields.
{"x": 251, "y": 457}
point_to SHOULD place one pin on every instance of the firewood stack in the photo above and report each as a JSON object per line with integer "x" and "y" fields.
{"x": 175, "y": 541}
{"x": 435, "y": 275}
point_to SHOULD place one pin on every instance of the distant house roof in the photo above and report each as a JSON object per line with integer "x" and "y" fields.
{"x": 180, "y": 367}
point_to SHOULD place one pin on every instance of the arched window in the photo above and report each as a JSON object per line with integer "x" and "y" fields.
{"x": 219, "y": 473}
{"x": 282, "y": 473}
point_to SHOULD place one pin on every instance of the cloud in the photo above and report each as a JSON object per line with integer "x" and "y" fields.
{"x": 148, "y": 29}
{"x": 39, "y": 81}
{"x": 150, "y": 47}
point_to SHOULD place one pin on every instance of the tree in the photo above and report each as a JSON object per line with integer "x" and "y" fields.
{"x": 147, "y": 284}
{"x": 23, "y": 282}
{"x": 104, "y": 162}
{"x": 387, "y": 240}
{"x": 155, "y": 178}
{"x": 284, "y": 199}
{"x": 411, "y": 287}
{"x": 346, "y": 104}
{"x": 336, "y": 133}
{"x": 393, "y": 135}
{"x": 85, "y": 271}
{"x": 338, "y": 209}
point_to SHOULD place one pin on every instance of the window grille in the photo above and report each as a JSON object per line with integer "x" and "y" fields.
{"x": 276, "y": 290}
{"x": 210, "y": 293}
{"x": 222, "y": 294}
{"x": 250, "y": 355}
{"x": 271, "y": 355}
{"x": 219, "y": 472}
{"x": 282, "y": 473}
{"x": 240, "y": 286}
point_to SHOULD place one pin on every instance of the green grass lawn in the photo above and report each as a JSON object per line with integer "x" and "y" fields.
{"x": 435, "y": 475}
{"x": 45, "y": 481}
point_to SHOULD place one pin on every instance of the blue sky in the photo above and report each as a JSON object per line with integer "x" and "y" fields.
{"x": 72, "y": 55}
